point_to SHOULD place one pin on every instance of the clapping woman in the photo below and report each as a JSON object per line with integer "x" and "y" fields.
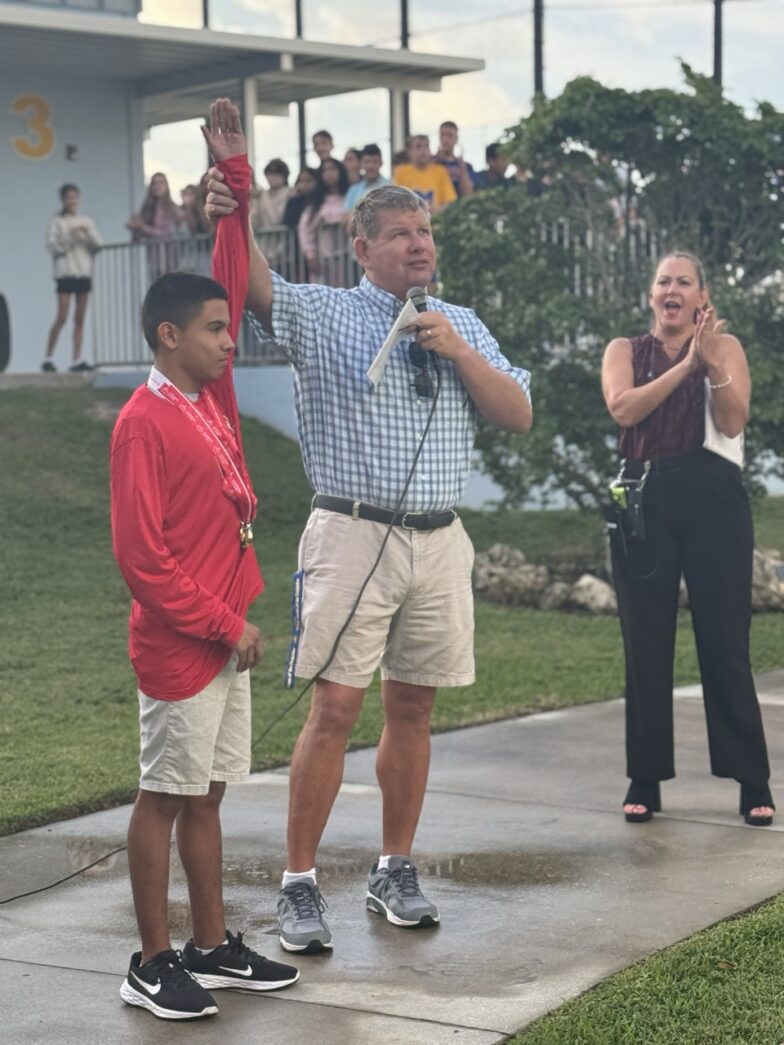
{"x": 698, "y": 525}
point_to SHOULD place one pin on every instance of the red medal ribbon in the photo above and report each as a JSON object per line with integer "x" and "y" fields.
{"x": 217, "y": 432}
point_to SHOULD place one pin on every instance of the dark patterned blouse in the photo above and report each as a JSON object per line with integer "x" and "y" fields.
{"x": 676, "y": 426}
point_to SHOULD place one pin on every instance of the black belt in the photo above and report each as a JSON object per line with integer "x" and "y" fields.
{"x": 360, "y": 510}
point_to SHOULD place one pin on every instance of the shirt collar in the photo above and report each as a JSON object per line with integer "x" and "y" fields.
{"x": 381, "y": 299}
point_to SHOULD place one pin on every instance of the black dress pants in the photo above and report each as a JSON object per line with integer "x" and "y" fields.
{"x": 698, "y": 523}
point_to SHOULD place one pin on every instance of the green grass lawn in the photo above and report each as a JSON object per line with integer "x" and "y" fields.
{"x": 722, "y": 986}
{"x": 68, "y": 716}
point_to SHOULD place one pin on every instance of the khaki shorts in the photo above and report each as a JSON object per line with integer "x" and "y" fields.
{"x": 186, "y": 744}
{"x": 415, "y": 618}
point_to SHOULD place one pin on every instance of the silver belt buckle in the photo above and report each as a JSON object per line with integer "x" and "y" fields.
{"x": 403, "y": 522}
{"x": 355, "y": 509}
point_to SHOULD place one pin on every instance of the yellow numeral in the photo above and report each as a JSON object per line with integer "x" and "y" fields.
{"x": 38, "y": 142}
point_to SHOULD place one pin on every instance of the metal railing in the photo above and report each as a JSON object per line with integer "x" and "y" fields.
{"x": 124, "y": 272}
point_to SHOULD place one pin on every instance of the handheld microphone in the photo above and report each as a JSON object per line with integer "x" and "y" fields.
{"x": 418, "y": 298}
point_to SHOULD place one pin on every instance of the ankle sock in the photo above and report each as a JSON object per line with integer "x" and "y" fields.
{"x": 290, "y": 877}
{"x": 383, "y": 862}
{"x": 209, "y": 950}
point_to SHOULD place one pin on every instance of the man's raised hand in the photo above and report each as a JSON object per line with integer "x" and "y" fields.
{"x": 225, "y": 137}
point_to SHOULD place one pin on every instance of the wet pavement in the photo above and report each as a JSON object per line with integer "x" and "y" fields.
{"x": 543, "y": 888}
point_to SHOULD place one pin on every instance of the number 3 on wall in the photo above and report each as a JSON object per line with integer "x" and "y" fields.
{"x": 38, "y": 141}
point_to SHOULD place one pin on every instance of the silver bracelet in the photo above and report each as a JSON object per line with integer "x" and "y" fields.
{"x": 721, "y": 384}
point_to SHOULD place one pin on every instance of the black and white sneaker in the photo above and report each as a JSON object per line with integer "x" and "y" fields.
{"x": 164, "y": 987}
{"x": 234, "y": 964}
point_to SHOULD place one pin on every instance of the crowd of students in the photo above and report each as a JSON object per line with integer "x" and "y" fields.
{"x": 320, "y": 203}
{"x": 317, "y": 208}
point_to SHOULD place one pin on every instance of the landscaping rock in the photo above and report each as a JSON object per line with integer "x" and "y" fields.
{"x": 767, "y": 580}
{"x": 555, "y": 596}
{"x": 593, "y": 595}
{"x": 683, "y": 595}
{"x": 501, "y": 574}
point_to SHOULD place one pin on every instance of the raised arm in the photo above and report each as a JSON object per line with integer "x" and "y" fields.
{"x": 226, "y": 140}
{"x": 629, "y": 405}
{"x": 728, "y": 374}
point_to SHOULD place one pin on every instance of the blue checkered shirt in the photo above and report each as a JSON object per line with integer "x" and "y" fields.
{"x": 357, "y": 441}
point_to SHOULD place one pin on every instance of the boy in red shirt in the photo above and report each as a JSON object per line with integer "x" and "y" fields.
{"x": 182, "y": 513}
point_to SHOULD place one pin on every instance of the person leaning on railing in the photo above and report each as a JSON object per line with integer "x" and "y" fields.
{"x": 267, "y": 206}
{"x": 697, "y": 522}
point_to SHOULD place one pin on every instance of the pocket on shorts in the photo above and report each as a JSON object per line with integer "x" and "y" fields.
{"x": 468, "y": 543}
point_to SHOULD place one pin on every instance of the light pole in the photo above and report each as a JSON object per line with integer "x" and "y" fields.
{"x": 404, "y": 46}
{"x": 539, "y": 47}
{"x": 717, "y": 41}
{"x": 399, "y": 110}
{"x": 301, "y": 133}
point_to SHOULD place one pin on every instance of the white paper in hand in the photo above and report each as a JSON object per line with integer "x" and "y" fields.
{"x": 400, "y": 329}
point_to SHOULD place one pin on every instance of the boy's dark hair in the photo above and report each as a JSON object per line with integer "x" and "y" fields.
{"x": 177, "y": 297}
{"x": 322, "y": 134}
{"x": 492, "y": 151}
{"x": 371, "y": 150}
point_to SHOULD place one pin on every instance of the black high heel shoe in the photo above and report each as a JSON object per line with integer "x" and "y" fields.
{"x": 640, "y": 794}
{"x": 752, "y": 796}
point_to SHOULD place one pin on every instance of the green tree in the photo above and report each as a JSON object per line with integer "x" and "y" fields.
{"x": 628, "y": 176}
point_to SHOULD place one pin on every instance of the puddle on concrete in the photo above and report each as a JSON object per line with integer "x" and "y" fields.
{"x": 506, "y": 869}
{"x": 500, "y": 869}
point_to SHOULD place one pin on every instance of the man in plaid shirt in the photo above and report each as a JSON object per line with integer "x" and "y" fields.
{"x": 415, "y": 615}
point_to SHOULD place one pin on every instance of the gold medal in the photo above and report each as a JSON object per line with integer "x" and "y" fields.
{"x": 246, "y": 534}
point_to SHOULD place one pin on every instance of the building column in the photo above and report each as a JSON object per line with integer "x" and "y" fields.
{"x": 250, "y": 105}
{"x": 398, "y": 121}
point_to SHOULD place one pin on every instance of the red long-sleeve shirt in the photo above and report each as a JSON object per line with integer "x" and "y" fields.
{"x": 176, "y": 540}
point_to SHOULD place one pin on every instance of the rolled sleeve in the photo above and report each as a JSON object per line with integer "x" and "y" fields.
{"x": 488, "y": 347}
{"x": 472, "y": 329}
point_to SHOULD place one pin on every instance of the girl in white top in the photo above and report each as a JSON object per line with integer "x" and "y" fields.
{"x": 73, "y": 240}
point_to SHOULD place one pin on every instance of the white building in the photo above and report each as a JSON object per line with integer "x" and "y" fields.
{"x": 82, "y": 81}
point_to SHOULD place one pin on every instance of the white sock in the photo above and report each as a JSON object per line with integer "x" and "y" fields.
{"x": 209, "y": 950}
{"x": 383, "y": 862}
{"x": 290, "y": 877}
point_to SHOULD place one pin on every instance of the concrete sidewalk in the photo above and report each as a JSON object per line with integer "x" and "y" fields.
{"x": 543, "y": 888}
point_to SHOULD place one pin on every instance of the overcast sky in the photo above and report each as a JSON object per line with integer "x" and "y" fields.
{"x": 623, "y": 43}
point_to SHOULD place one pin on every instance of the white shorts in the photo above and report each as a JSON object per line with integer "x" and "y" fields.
{"x": 186, "y": 744}
{"x": 415, "y": 618}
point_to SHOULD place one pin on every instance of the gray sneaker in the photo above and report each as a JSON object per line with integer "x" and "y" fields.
{"x": 395, "y": 893}
{"x": 302, "y": 928}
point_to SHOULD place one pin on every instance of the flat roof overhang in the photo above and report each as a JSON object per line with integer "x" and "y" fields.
{"x": 178, "y": 72}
